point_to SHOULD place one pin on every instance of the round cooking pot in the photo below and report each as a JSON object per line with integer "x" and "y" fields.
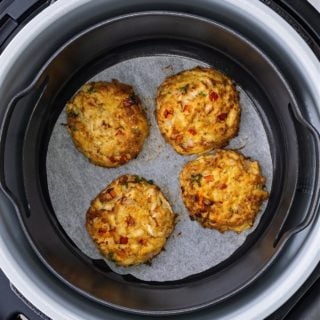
{"x": 71, "y": 41}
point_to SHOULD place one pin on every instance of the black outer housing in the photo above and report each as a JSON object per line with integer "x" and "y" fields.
{"x": 304, "y": 304}
{"x": 299, "y": 13}
{"x": 315, "y": 48}
{"x": 14, "y": 14}
{"x": 303, "y": 17}
{"x": 13, "y": 304}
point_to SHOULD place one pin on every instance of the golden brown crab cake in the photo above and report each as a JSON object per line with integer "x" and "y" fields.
{"x": 130, "y": 220}
{"x": 107, "y": 123}
{"x": 223, "y": 191}
{"x": 198, "y": 110}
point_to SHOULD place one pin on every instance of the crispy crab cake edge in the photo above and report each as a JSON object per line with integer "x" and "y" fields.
{"x": 134, "y": 229}
{"x": 107, "y": 145}
{"x": 208, "y": 203}
{"x": 208, "y": 106}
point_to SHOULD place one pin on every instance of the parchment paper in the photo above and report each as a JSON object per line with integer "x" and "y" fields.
{"x": 73, "y": 182}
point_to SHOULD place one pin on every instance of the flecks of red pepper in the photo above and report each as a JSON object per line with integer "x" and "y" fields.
{"x": 213, "y": 96}
{"x": 113, "y": 159}
{"x": 121, "y": 253}
{"x": 102, "y": 231}
{"x": 222, "y": 186}
{"x": 186, "y": 108}
{"x": 200, "y": 201}
{"x": 112, "y": 193}
{"x": 222, "y": 116}
{"x": 175, "y": 131}
{"x": 130, "y": 221}
{"x": 179, "y": 137}
{"x": 123, "y": 158}
{"x": 123, "y": 240}
{"x": 167, "y": 113}
{"x": 193, "y": 131}
{"x": 208, "y": 178}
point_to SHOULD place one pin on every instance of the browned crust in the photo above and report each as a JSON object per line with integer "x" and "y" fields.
{"x": 130, "y": 220}
{"x": 198, "y": 110}
{"x": 107, "y": 123}
{"x": 223, "y": 191}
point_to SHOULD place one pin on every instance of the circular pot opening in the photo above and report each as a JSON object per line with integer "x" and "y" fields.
{"x": 144, "y": 35}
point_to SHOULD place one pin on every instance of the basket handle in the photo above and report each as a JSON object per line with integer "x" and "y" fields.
{"x": 39, "y": 85}
{"x": 315, "y": 200}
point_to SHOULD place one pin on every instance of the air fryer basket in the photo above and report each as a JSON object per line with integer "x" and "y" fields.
{"x": 294, "y": 145}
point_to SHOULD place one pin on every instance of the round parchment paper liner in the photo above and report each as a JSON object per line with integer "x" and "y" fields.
{"x": 73, "y": 182}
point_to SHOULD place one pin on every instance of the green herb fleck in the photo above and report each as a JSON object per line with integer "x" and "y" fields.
{"x": 196, "y": 178}
{"x": 138, "y": 179}
{"x": 92, "y": 89}
{"x": 184, "y": 89}
{"x": 202, "y": 94}
{"x": 73, "y": 113}
{"x": 111, "y": 256}
{"x": 148, "y": 263}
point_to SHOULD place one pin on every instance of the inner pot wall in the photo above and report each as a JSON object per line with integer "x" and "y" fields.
{"x": 84, "y": 276}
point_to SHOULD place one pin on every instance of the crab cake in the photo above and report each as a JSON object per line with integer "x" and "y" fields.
{"x": 107, "y": 123}
{"x": 223, "y": 191}
{"x": 198, "y": 110}
{"x": 130, "y": 220}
